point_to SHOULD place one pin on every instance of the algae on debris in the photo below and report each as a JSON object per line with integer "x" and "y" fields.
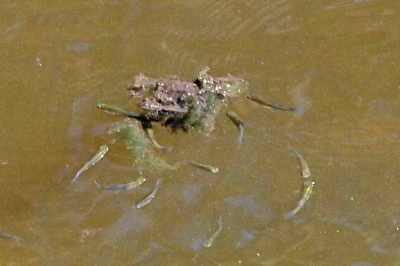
{"x": 186, "y": 105}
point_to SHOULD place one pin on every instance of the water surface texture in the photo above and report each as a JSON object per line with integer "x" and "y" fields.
{"x": 337, "y": 61}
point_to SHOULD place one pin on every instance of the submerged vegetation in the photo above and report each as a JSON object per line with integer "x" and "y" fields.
{"x": 139, "y": 145}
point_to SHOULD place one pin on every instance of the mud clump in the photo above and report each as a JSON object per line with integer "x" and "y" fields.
{"x": 186, "y": 105}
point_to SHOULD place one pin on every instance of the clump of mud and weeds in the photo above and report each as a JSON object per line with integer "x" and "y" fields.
{"x": 176, "y": 104}
{"x": 186, "y": 104}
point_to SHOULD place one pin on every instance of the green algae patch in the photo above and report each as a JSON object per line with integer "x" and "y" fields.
{"x": 139, "y": 145}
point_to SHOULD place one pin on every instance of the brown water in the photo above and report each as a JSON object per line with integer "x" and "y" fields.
{"x": 337, "y": 60}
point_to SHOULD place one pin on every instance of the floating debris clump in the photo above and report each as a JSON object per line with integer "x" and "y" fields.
{"x": 186, "y": 105}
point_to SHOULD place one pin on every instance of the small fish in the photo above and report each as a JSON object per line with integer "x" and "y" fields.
{"x": 307, "y": 191}
{"x": 114, "y": 110}
{"x": 146, "y": 124}
{"x": 96, "y": 157}
{"x": 269, "y": 104}
{"x": 238, "y": 122}
{"x": 305, "y": 171}
{"x": 209, "y": 168}
{"x": 146, "y": 200}
{"x": 12, "y": 237}
{"x": 126, "y": 186}
{"x": 208, "y": 242}
{"x": 38, "y": 61}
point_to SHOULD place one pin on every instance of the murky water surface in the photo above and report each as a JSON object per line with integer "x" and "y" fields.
{"x": 336, "y": 60}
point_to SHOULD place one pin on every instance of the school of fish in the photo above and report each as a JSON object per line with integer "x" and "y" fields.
{"x": 307, "y": 187}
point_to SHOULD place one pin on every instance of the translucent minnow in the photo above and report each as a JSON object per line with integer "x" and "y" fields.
{"x": 114, "y": 110}
{"x": 15, "y": 238}
{"x": 146, "y": 124}
{"x": 307, "y": 191}
{"x": 146, "y": 200}
{"x": 209, "y": 168}
{"x": 125, "y": 186}
{"x": 269, "y": 104}
{"x": 96, "y": 157}
{"x": 238, "y": 122}
{"x": 208, "y": 242}
{"x": 305, "y": 171}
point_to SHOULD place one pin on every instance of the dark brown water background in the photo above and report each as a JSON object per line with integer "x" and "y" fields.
{"x": 337, "y": 60}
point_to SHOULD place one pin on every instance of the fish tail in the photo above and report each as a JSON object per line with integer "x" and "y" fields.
{"x": 240, "y": 139}
{"x": 97, "y": 184}
{"x": 289, "y": 214}
{"x": 298, "y": 110}
{"x": 76, "y": 177}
